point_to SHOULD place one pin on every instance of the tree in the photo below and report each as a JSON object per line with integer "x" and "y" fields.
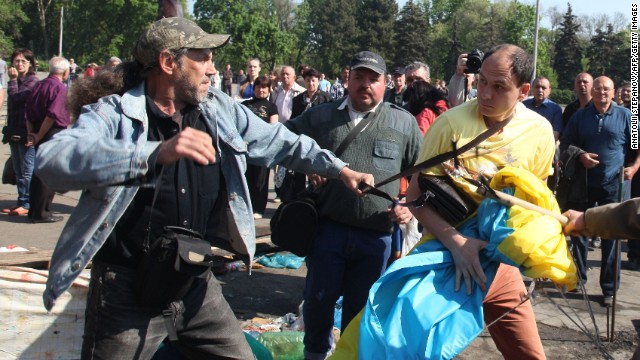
{"x": 518, "y": 24}
{"x": 332, "y": 25}
{"x": 114, "y": 28}
{"x": 470, "y": 27}
{"x": 443, "y": 10}
{"x": 567, "y": 63}
{"x": 411, "y": 35}
{"x": 599, "y": 53}
{"x": 12, "y": 19}
{"x": 43, "y": 6}
{"x": 255, "y": 28}
{"x": 377, "y": 21}
{"x": 608, "y": 54}
{"x": 620, "y": 70}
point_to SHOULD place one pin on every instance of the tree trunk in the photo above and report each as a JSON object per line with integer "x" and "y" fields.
{"x": 42, "y": 15}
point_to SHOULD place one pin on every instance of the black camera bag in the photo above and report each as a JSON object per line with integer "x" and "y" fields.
{"x": 169, "y": 266}
{"x": 444, "y": 197}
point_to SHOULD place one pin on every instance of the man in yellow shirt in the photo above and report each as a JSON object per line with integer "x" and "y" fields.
{"x": 526, "y": 142}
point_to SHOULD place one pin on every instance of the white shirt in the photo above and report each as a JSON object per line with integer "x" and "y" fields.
{"x": 355, "y": 115}
{"x": 284, "y": 101}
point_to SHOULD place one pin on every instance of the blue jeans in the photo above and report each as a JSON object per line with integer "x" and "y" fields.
{"x": 23, "y": 159}
{"x": 117, "y": 326}
{"x": 343, "y": 261}
{"x": 601, "y": 196}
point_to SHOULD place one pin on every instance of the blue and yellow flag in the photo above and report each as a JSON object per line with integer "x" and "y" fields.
{"x": 413, "y": 311}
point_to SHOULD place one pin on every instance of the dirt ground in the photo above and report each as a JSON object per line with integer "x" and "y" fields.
{"x": 272, "y": 293}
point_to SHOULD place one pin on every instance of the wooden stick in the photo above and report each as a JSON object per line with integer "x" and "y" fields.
{"x": 510, "y": 200}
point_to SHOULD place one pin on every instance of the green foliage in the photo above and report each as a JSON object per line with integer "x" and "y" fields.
{"x": 115, "y": 26}
{"x": 443, "y": 10}
{"x": 411, "y": 35}
{"x": 518, "y": 24}
{"x": 545, "y": 58}
{"x": 377, "y": 20}
{"x": 255, "y": 28}
{"x": 562, "y": 97}
{"x": 327, "y": 33}
{"x": 12, "y": 18}
{"x": 567, "y": 63}
{"x": 608, "y": 54}
{"x": 332, "y": 30}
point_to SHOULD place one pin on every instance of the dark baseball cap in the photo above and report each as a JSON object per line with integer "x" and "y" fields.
{"x": 369, "y": 60}
{"x": 398, "y": 71}
{"x": 173, "y": 34}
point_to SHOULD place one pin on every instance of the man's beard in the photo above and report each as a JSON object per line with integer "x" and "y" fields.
{"x": 188, "y": 92}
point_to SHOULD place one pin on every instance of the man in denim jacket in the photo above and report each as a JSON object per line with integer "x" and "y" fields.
{"x": 169, "y": 128}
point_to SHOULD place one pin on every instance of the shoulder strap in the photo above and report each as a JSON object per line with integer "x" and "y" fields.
{"x": 447, "y": 155}
{"x": 352, "y": 135}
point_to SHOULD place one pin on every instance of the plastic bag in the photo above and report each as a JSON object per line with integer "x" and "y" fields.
{"x": 280, "y": 261}
{"x": 286, "y": 345}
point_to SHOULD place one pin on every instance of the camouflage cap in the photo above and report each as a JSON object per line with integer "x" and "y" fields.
{"x": 173, "y": 34}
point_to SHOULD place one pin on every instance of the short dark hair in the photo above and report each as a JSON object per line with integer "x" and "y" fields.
{"x": 28, "y": 55}
{"x": 311, "y": 72}
{"x": 262, "y": 81}
{"x": 538, "y": 78}
{"x": 521, "y": 61}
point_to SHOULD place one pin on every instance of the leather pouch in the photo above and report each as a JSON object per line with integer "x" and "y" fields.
{"x": 444, "y": 197}
{"x": 170, "y": 265}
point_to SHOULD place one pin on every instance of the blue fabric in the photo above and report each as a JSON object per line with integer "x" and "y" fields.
{"x": 248, "y": 92}
{"x": 609, "y": 138}
{"x": 439, "y": 322}
{"x": 549, "y": 110}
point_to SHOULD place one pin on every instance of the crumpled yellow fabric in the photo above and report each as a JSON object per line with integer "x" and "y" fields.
{"x": 537, "y": 244}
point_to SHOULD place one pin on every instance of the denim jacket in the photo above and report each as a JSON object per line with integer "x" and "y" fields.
{"x": 106, "y": 154}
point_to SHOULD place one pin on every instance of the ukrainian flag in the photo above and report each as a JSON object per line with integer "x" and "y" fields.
{"x": 413, "y": 311}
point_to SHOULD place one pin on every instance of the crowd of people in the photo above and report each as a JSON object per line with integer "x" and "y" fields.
{"x": 157, "y": 145}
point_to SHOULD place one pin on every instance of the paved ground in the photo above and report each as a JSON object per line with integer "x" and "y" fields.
{"x": 272, "y": 292}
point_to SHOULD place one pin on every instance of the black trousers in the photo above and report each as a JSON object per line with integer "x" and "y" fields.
{"x": 258, "y": 183}
{"x": 41, "y": 196}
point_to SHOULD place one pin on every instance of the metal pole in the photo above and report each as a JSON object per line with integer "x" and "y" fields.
{"x": 61, "y": 26}
{"x": 535, "y": 40}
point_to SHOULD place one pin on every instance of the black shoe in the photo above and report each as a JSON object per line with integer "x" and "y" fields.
{"x": 607, "y": 301}
{"x": 48, "y": 219}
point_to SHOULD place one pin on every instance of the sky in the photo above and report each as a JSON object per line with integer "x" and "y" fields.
{"x": 579, "y": 7}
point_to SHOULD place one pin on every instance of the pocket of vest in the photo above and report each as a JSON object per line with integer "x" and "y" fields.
{"x": 385, "y": 155}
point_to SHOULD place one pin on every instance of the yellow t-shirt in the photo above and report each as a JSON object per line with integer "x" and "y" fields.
{"x": 526, "y": 142}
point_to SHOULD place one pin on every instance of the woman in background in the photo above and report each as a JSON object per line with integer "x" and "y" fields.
{"x": 425, "y": 102}
{"x": 22, "y": 79}
{"x": 312, "y": 97}
{"x": 258, "y": 176}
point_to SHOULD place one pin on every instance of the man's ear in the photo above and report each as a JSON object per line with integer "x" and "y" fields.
{"x": 166, "y": 62}
{"x": 524, "y": 91}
